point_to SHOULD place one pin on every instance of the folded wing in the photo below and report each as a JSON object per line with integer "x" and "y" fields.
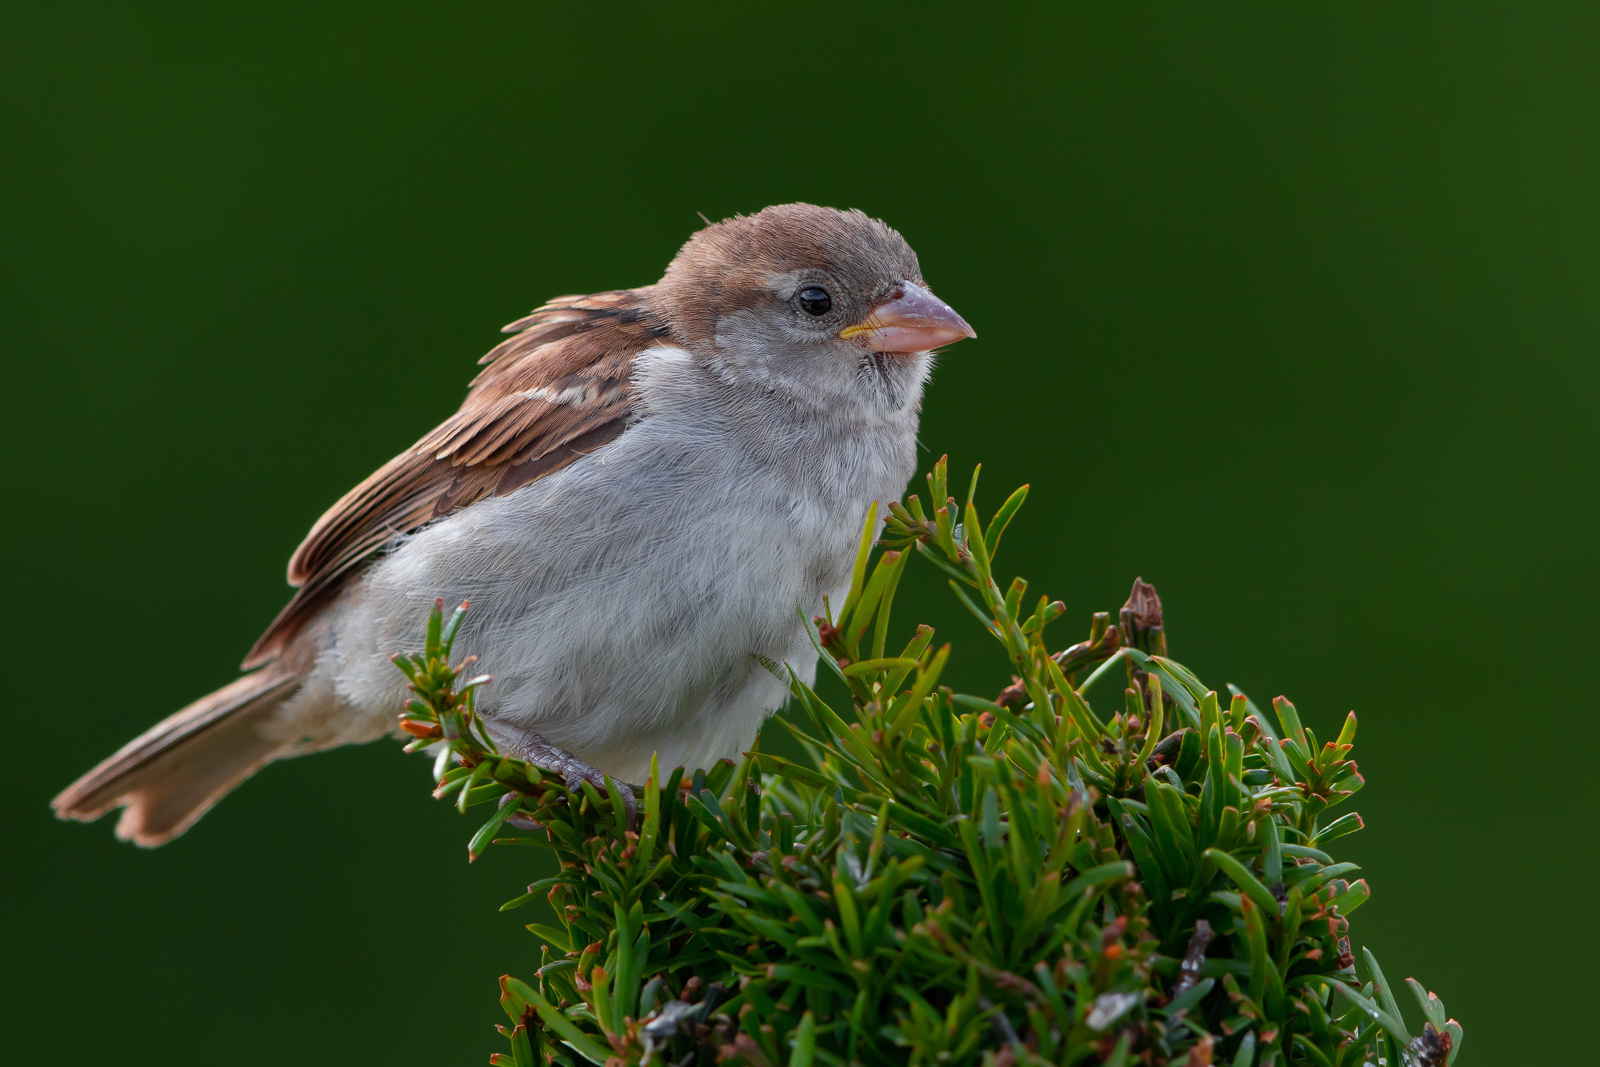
{"x": 558, "y": 390}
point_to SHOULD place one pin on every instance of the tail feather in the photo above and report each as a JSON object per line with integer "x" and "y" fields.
{"x": 171, "y": 774}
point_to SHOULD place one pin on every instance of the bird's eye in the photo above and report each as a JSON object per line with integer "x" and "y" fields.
{"x": 815, "y": 300}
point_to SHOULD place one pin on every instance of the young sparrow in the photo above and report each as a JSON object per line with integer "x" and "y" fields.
{"x": 640, "y": 490}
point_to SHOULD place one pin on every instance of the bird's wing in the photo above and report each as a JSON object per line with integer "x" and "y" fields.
{"x": 557, "y": 390}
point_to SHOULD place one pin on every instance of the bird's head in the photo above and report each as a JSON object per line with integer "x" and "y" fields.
{"x": 825, "y": 305}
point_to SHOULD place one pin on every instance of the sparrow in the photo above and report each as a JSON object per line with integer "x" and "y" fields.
{"x": 643, "y": 496}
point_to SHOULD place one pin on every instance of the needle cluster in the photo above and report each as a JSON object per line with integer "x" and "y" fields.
{"x": 948, "y": 879}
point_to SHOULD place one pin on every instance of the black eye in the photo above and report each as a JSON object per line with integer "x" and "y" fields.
{"x": 815, "y": 300}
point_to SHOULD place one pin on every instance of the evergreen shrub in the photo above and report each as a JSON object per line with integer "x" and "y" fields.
{"x": 948, "y": 879}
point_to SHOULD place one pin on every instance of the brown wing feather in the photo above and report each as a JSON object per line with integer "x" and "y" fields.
{"x": 557, "y": 390}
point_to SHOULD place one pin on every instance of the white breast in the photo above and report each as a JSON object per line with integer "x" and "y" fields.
{"x": 623, "y": 603}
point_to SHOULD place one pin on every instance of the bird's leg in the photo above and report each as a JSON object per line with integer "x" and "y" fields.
{"x": 532, "y": 748}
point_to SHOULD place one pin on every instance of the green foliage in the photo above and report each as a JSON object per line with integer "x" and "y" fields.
{"x": 950, "y": 879}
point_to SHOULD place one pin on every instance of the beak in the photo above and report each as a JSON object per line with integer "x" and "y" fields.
{"x": 914, "y": 321}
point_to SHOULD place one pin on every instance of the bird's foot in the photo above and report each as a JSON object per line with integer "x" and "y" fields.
{"x": 529, "y": 746}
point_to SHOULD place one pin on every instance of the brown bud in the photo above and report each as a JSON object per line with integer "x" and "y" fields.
{"x": 1014, "y": 695}
{"x": 1140, "y": 620}
{"x": 1200, "y": 1054}
{"x": 1432, "y": 1049}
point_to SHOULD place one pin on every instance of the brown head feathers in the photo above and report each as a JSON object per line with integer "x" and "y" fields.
{"x": 732, "y": 264}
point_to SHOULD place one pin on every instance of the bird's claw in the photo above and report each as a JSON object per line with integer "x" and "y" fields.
{"x": 529, "y": 746}
{"x": 575, "y": 773}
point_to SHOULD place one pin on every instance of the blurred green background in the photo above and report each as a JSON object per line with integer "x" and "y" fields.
{"x": 1290, "y": 309}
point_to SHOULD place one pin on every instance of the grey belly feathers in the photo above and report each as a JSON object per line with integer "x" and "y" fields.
{"x": 625, "y": 604}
